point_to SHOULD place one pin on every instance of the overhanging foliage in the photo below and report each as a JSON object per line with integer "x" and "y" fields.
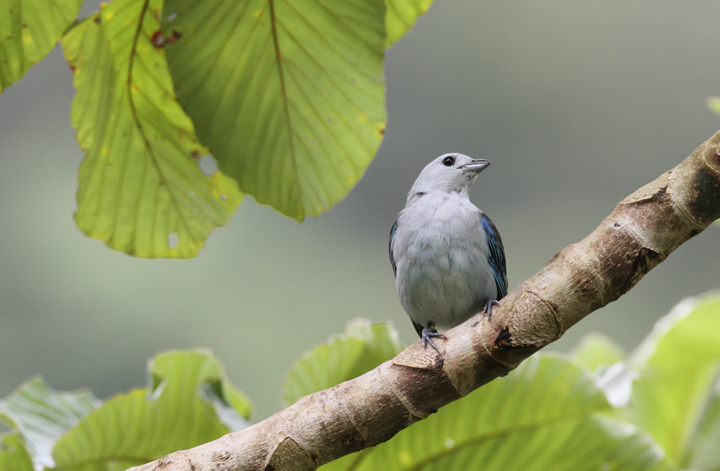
{"x": 184, "y": 106}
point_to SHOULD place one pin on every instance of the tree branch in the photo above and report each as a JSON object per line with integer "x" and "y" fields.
{"x": 641, "y": 232}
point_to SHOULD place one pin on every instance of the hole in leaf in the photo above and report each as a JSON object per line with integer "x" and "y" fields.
{"x": 171, "y": 17}
{"x": 208, "y": 165}
{"x": 173, "y": 240}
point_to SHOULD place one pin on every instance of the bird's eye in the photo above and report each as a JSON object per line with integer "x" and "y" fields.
{"x": 448, "y": 161}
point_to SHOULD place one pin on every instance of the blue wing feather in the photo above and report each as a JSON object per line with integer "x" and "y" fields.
{"x": 390, "y": 248}
{"x": 497, "y": 256}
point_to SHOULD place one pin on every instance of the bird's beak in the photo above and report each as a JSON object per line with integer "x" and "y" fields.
{"x": 477, "y": 165}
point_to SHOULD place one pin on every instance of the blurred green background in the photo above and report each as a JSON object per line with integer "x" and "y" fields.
{"x": 577, "y": 104}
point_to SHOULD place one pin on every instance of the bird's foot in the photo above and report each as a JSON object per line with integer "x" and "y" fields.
{"x": 489, "y": 305}
{"x": 427, "y": 335}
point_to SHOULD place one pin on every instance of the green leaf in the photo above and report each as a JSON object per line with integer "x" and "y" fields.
{"x": 714, "y": 104}
{"x": 13, "y": 454}
{"x": 605, "y": 359}
{"x": 677, "y": 365}
{"x": 288, "y": 95}
{"x": 361, "y": 348}
{"x": 544, "y": 415}
{"x": 702, "y": 452}
{"x": 595, "y": 351}
{"x": 41, "y": 416}
{"x": 145, "y": 424}
{"x": 28, "y": 31}
{"x": 141, "y": 188}
{"x": 401, "y": 16}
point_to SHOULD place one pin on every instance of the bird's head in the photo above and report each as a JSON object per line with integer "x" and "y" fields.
{"x": 448, "y": 173}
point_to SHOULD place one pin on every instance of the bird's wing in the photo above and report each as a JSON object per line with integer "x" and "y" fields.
{"x": 390, "y": 247}
{"x": 497, "y": 256}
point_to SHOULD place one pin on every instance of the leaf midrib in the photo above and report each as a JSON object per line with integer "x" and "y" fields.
{"x": 141, "y": 129}
{"x": 286, "y": 105}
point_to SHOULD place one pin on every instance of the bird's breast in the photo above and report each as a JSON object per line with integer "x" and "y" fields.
{"x": 442, "y": 260}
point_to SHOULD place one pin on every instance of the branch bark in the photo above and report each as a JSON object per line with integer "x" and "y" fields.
{"x": 640, "y": 233}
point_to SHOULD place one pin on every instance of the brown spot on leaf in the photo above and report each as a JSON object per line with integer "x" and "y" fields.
{"x": 157, "y": 38}
{"x": 159, "y": 41}
{"x": 174, "y": 36}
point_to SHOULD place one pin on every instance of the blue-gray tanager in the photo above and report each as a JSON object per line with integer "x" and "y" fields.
{"x": 447, "y": 255}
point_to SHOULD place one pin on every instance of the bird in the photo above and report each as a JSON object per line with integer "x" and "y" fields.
{"x": 446, "y": 254}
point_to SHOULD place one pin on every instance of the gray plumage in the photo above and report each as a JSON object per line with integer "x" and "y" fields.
{"x": 447, "y": 255}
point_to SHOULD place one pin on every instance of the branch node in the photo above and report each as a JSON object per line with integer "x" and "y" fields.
{"x": 502, "y": 340}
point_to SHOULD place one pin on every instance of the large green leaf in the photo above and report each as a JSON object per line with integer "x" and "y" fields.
{"x": 401, "y": 16}
{"x": 40, "y": 416}
{"x": 287, "y": 94}
{"x": 606, "y": 360}
{"x": 13, "y": 454}
{"x": 361, "y": 348}
{"x": 677, "y": 365}
{"x": 597, "y": 351}
{"x": 28, "y": 31}
{"x": 546, "y": 415}
{"x": 180, "y": 411}
{"x": 702, "y": 454}
{"x": 141, "y": 188}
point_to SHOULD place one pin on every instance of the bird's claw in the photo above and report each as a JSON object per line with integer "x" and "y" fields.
{"x": 428, "y": 333}
{"x": 487, "y": 310}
